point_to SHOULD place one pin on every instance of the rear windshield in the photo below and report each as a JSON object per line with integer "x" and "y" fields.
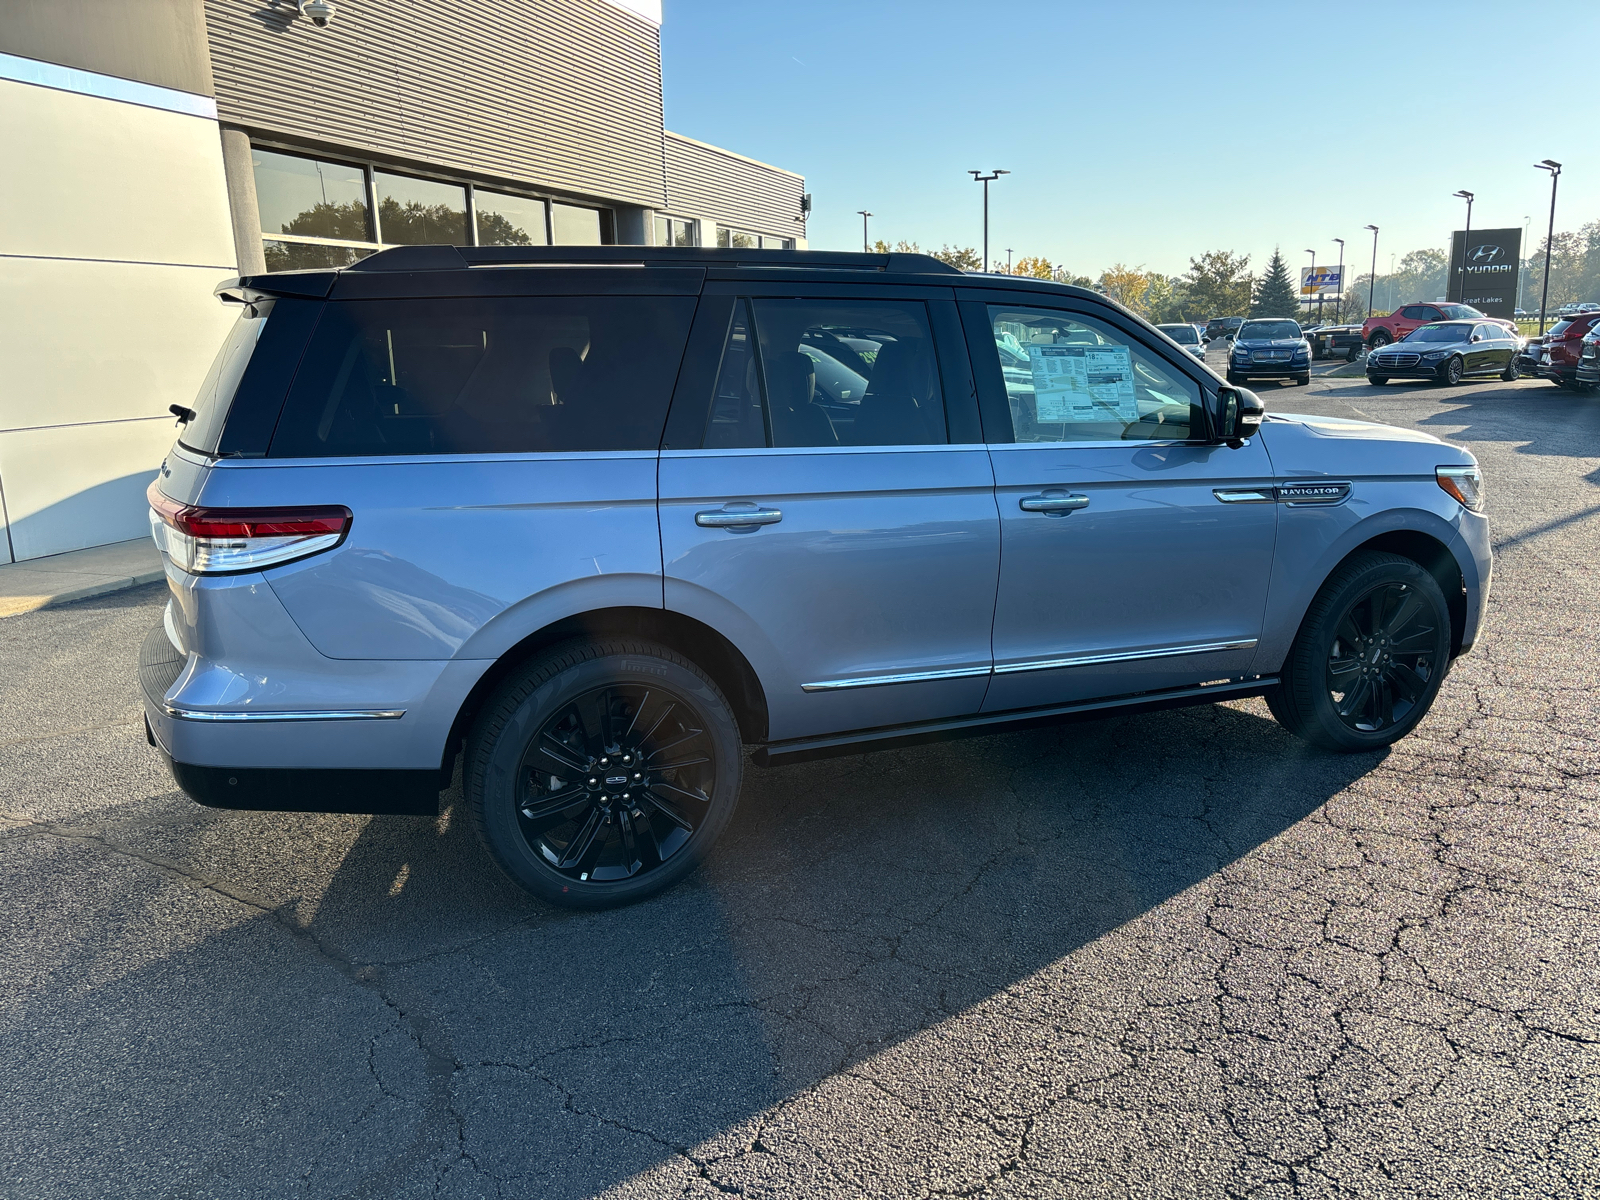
{"x": 1184, "y": 335}
{"x": 1262, "y": 331}
{"x": 1559, "y": 328}
{"x": 471, "y": 376}
{"x": 1440, "y": 333}
{"x": 1460, "y": 312}
{"x": 212, "y": 402}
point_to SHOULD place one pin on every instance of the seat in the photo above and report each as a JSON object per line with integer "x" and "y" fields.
{"x": 901, "y": 406}
{"x": 796, "y": 421}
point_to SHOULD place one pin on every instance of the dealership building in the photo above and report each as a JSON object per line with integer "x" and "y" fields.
{"x": 154, "y": 148}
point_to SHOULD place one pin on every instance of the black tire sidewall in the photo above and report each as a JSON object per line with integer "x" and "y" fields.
{"x": 1309, "y": 655}
{"x": 516, "y": 714}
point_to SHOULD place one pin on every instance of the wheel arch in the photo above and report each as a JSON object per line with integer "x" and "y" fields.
{"x": 1434, "y": 557}
{"x": 696, "y": 641}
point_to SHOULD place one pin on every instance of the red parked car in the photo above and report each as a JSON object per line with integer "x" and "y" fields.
{"x": 1377, "y": 332}
{"x": 1562, "y": 350}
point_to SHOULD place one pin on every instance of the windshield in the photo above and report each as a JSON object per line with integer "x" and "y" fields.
{"x": 1268, "y": 331}
{"x": 1460, "y": 312}
{"x": 1439, "y": 333}
{"x": 212, "y": 402}
{"x": 1184, "y": 335}
{"x": 1559, "y": 328}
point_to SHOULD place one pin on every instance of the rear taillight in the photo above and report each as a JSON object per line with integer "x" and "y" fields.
{"x": 215, "y": 541}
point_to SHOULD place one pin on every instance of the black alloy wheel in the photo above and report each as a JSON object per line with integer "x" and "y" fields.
{"x": 1512, "y": 373}
{"x": 1452, "y": 370}
{"x": 603, "y": 773}
{"x": 1369, "y": 658}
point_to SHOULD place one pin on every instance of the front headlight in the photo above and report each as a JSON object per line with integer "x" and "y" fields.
{"x": 1434, "y": 355}
{"x": 1464, "y": 483}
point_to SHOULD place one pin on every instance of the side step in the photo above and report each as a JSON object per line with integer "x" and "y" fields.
{"x": 797, "y": 750}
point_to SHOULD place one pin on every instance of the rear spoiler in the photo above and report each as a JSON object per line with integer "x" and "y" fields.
{"x": 247, "y": 289}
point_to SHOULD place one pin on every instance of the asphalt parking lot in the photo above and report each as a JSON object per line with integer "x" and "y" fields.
{"x": 1177, "y": 954}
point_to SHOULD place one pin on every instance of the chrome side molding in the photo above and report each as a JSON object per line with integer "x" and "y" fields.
{"x": 841, "y": 685}
{"x": 336, "y": 714}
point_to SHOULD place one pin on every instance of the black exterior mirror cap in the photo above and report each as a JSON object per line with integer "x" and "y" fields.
{"x": 1239, "y": 413}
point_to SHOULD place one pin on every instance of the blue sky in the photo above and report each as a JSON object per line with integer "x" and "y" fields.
{"x": 1146, "y": 133}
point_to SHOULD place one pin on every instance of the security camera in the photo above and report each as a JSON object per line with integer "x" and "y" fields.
{"x": 320, "y": 11}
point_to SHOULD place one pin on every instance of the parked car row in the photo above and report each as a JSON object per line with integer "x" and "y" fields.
{"x": 1448, "y": 352}
{"x": 1380, "y": 331}
{"x": 1558, "y": 354}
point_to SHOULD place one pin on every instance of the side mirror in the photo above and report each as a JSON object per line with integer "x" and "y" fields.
{"x": 1239, "y": 414}
{"x": 1477, "y": 337}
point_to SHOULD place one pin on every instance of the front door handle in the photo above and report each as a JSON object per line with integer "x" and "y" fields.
{"x": 1055, "y": 504}
{"x": 721, "y": 518}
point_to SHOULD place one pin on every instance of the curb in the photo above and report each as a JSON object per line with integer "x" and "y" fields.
{"x": 41, "y": 583}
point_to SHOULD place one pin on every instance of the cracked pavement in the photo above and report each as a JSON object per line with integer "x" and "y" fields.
{"x": 1176, "y": 954}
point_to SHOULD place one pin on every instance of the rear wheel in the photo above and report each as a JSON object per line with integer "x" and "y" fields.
{"x": 603, "y": 772}
{"x": 1378, "y": 340}
{"x": 1370, "y": 656}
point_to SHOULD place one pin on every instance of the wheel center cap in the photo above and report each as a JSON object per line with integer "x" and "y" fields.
{"x": 616, "y": 780}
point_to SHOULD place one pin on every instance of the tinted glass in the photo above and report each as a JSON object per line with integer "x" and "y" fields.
{"x": 1414, "y": 313}
{"x": 575, "y": 226}
{"x": 485, "y": 376}
{"x": 222, "y": 380}
{"x": 1439, "y": 333}
{"x": 829, "y": 373}
{"x": 509, "y": 220}
{"x": 421, "y": 212}
{"x": 1184, "y": 335}
{"x": 1461, "y": 312}
{"x": 1071, "y": 378}
{"x": 1559, "y": 329}
{"x": 1265, "y": 331}
{"x": 310, "y": 197}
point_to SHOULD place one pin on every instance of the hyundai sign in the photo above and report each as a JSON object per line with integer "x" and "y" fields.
{"x": 1492, "y": 260}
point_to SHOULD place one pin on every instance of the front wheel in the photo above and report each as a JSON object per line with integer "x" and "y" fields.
{"x": 1233, "y": 379}
{"x": 603, "y": 772}
{"x": 1370, "y": 656}
{"x": 1302, "y": 380}
{"x": 1512, "y": 373}
{"x": 1375, "y": 381}
{"x": 1450, "y": 374}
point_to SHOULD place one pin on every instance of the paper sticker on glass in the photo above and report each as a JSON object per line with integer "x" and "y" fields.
{"x": 1076, "y": 383}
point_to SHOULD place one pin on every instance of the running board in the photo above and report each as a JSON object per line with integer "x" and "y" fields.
{"x": 797, "y": 750}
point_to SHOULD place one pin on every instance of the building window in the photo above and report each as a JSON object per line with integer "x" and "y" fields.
{"x": 318, "y": 213}
{"x": 740, "y": 239}
{"x": 510, "y": 220}
{"x": 674, "y": 231}
{"x": 420, "y": 212}
{"x": 574, "y": 226}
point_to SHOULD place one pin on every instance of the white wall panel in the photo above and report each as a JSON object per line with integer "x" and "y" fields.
{"x": 73, "y": 486}
{"x": 97, "y": 341}
{"x": 87, "y": 177}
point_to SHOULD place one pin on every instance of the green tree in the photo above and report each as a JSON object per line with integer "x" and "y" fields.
{"x": 1218, "y": 284}
{"x": 1276, "y": 295}
{"x": 963, "y": 258}
{"x": 1126, "y": 285}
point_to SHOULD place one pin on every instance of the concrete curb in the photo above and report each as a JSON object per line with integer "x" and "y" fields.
{"x": 78, "y": 575}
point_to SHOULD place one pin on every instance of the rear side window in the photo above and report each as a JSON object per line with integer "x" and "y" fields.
{"x": 215, "y": 397}
{"x": 483, "y": 376}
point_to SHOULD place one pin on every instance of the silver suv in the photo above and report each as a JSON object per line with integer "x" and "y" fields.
{"x": 595, "y": 520}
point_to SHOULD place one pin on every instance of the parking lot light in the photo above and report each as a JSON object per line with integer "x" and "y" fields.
{"x": 1338, "y": 312}
{"x": 986, "y": 180}
{"x": 1554, "y": 168}
{"x": 1372, "y": 279}
{"x": 1466, "y": 237}
{"x": 1309, "y": 279}
{"x": 864, "y": 215}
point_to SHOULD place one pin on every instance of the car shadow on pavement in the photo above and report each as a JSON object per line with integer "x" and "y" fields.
{"x": 407, "y": 1016}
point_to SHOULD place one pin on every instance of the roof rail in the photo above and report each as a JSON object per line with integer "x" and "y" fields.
{"x": 455, "y": 258}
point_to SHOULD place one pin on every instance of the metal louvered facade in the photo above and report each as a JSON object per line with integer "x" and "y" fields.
{"x": 560, "y": 95}
{"x": 704, "y": 180}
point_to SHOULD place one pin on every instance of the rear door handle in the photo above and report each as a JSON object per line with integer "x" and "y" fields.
{"x": 721, "y": 518}
{"x": 1057, "y": 504}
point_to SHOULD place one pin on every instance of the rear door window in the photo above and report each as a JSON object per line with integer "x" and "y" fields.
{"x": 212, "y": 401}
{"x": 484, "y": 376}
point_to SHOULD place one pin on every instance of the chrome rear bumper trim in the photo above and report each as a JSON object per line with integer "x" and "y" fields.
{"x": 194, "y": 714}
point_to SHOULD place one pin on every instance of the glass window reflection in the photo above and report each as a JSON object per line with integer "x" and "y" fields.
{"x": 420, "y": 212}
{"x": 509, "y": 220}
{"x": 310, "y": 197}
{"x": 575, "y": 226}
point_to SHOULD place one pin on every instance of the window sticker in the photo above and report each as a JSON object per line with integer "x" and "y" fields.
{"x": 1083, "y": 383}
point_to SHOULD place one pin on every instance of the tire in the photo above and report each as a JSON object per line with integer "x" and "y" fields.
{"x": 1378, "y": 340}
{"x": 580, "y": 707}
{"x": 1302, "y": 380}
{"x": 1512, "y": 373}
{"x": 1370, "y": 656}
{"x": 1451, "y": 372}
{"x": 1353, "y": 353}
{"x": 1375, "y": 381}
{"x": 1233, "y": 379}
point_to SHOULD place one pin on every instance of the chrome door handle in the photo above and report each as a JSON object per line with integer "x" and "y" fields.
{"x": 721, "y": 518}
{"x": 1058, "y": 505}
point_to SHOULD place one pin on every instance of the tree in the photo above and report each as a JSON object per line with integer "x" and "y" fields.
{"x": 1276, "y": 295}
{"x": 963, "y": 258}
{"x": 1126, "y": 285}
{"x": 1218, "y": 284}
{"x": 1062, "y": 275}
{"x": 1033, "y": 267}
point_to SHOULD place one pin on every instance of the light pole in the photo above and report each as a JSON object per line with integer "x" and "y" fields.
{"x": 1526, "y": 221}
{"x": 1466, "y": 237}
{"x": 864, "y": 215}
{"x": 1338, "y": 313}
{"x": 1372, "y": 279}
{"x": 1008, "y": 260}
{"x": 986, "y": 180}
{"x": 1313, "y": 254}
{"x": 1554, "y": 168}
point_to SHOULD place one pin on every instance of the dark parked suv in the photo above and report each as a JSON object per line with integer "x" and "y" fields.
{"x": 1222, "y": 327}
{"x": 589, "y": 521}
